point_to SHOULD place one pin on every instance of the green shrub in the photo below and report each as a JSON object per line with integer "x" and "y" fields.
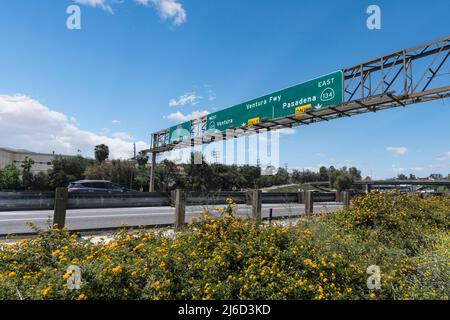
{"x": 232, "y": 258}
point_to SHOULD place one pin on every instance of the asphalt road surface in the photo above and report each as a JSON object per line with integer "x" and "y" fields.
{"x": 14, "y": 222}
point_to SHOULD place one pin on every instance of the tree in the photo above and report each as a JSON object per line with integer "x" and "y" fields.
{"x": 141, "y": 178}
{"x": 98, "y": 171}
{"x": 355, "y": 173}
{"x": 41, "y": 182}
{"x": 65, "y": 170}
{"x": 27, "y": 164}
{"x": 401, "y": 176}
{"x": 122, "y": 172}
{"x": 27, "y": 176}
{"x": 10, "y": 177}
{"x": 200, "y": 176}
{"x": 249, "y": 176}
{"x": 166, "y": 176}
{"x": 101, "y": 152}
{"x": 323, "y": 174}
{"x": 296, "y": 176}
{"x": 142, "y": 159}
{"x": 343, "y": 182}
{"x": 436, "y": 176}
{"x": 281, "y": 177}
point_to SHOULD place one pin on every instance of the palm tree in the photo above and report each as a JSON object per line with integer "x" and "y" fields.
{"x": 101, "y": 152}
{"x": 26, "y": 165}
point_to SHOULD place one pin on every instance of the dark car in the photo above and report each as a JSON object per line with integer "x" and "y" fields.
{"x": 96, "y": 186}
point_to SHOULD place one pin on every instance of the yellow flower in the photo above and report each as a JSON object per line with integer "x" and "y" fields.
{"x": 156, "y": 285}
{"x": 66, "y": 276}
{"x": 117, "y": 270}
{"x": 45, "y": 292}
{"x": 372, "y": 296}
{"x": 134, "y": 273}
{"x": 230, "y": 201}
{"x": 12, "y": 274}
{"x": 56, "y": 253}
{"x": 162, "y": 265}
{"x": 82, "y": 296}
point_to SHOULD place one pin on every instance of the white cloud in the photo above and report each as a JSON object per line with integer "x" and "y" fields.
{"x": 187, "y": 98}
{"x": 167, "y": 9}
{"x": 417, "y": 169}
{"x": 115, "y": 121}
{"x": 27, "y": 124}
{"x": 397, "y": 151}
{"x": 445, "y": 156}
{"x": 122, "y": 136}
{"x": 180, "y": 117}
{"x": 102, "y": 4}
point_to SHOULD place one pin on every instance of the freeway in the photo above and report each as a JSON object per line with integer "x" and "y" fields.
{"x": 15, "y": 222}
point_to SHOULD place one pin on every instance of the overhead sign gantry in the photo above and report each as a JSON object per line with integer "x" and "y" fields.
{"x": 401, "y": 78}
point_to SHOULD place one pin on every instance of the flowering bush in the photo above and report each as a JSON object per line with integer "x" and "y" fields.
{"x": 233, "y": 258}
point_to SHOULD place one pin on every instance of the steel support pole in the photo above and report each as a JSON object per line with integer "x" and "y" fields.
{"x": 152, "y": 173}
{"x": 59, "y": 215}
{"x": 180, "y": 208}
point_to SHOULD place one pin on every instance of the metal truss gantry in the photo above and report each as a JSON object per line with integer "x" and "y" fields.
{"x": 399, "y": 79}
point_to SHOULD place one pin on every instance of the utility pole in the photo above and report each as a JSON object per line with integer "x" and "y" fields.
{"x": 153, "y": 164}
{"x": 215, "y": 155}
{"x": 134, "y": 151}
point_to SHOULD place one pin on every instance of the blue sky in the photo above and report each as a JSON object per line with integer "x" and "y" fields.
{"x": 116, "y": 77}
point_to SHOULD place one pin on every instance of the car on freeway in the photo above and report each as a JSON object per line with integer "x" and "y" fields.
{"x": 96, "y": 186}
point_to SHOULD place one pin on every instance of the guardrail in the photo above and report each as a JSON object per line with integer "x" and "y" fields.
{"x": 61, "y": 200}
{"x": 27, "y": 201}
{"x": 16, "y": 201}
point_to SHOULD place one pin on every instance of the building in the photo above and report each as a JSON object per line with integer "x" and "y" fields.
{"x": 42, "y": 161}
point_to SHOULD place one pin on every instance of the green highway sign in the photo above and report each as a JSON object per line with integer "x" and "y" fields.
{"x": 310, "y": 96}
{"x": 180, "y": 132}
